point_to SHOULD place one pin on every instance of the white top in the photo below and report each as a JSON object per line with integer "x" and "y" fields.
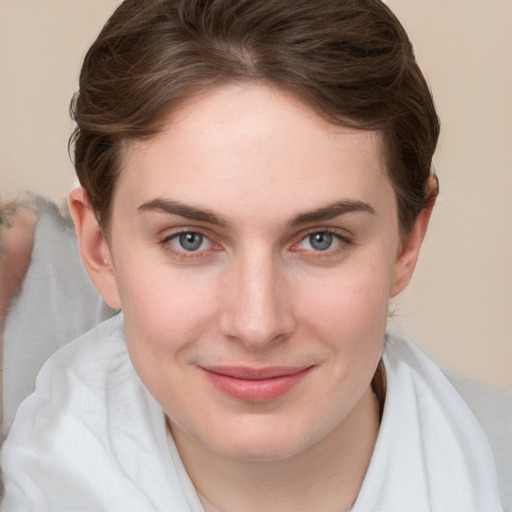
{"x": 91, "y": 439}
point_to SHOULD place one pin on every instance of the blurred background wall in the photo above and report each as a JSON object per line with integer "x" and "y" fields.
{"x": 459, "y": 306}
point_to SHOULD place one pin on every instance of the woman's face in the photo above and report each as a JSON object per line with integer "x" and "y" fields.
{"x": 255, "y": 247}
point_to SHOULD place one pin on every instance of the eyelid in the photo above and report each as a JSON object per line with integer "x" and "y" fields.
{"x": 176, "y": 241}
{"x": 168, "y": 234}
{"x": 345, "y": 240}
{"x": 339, "y": 232}
{"x": 165, "y": 242}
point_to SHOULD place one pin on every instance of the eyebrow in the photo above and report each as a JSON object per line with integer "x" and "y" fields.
{"x": 183, "y": 210}
{"x": 331, "y": 211}
{"x": 186, "y": 211}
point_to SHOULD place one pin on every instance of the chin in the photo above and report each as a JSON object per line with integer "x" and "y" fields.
{"x": 260, "y": 451}
{"x": 262, "y": 441}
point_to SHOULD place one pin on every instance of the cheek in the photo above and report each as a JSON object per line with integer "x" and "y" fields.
{"x": 164, "y": 309}
{"x": 353, "y": 299}
{"x": 165, "y": 318}
{"x": 348, "y": 313}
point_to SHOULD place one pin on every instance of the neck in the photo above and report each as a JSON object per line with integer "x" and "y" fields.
{"x": 314, "y": 479}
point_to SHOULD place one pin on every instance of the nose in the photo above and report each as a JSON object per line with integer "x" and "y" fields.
{"x": 257, "y": 309}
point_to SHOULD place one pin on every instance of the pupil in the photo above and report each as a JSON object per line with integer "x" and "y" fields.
{"x": 320, "y": 241}
{"x": 191, "y": 241}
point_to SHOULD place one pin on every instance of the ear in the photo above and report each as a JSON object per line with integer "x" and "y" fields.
{"x": 406, "y": 261}
{"x": 94, "y": 247}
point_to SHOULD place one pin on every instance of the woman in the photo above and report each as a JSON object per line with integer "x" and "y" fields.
{"x": 256, "y": 184}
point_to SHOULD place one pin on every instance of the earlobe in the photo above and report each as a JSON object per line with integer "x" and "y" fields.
{"x": 406, "y": 261}
{"x": 94, "y": 247}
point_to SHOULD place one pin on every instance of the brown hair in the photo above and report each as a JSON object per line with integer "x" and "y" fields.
{"x": 349, "y": 60}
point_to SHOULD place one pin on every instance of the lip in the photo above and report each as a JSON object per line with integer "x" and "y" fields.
{"x": 255, "y": 384}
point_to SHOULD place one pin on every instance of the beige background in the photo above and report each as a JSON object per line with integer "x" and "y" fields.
{"x": 459, "y": 305}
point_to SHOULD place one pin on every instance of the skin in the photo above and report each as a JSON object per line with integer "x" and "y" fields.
{"x": 257, "y": 175}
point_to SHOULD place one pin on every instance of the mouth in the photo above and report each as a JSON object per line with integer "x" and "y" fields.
{"x": 255, "y": 384}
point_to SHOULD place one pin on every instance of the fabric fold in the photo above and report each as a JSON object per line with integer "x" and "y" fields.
{"x": 431, "y": 453}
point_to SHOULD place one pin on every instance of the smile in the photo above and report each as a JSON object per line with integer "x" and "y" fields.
{"x": 255, "y": 384}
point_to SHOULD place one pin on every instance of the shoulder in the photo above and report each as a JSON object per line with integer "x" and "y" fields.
{"x": 83, "y": 367}
{"x": 490, "y": 406}
{"x": 71, "y": 398}
{"x": 90, "y": 436}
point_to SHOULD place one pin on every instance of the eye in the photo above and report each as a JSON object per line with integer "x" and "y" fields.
{"x": 320, "y": 241}
{"x": 190, "y": 241}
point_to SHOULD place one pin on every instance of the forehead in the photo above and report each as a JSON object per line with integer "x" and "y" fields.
{"x": 256, "y": 142}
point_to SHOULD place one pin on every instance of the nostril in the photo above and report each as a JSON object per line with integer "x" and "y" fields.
{"x": 258, "y": 330}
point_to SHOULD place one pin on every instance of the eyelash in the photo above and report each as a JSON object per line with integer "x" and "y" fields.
{"x": 344, "y": 242}
{"x": 168, "y": 246}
